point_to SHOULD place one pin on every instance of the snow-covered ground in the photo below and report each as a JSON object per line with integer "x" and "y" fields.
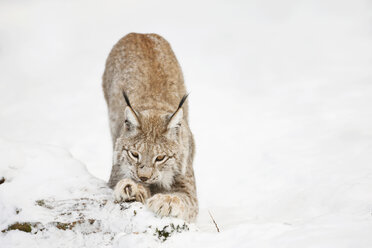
{"x": 280, "y": 105}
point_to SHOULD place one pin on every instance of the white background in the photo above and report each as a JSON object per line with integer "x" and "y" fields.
{"x": 280, "y": 103}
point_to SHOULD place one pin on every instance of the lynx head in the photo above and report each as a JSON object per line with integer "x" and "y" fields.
{"x": 152, "y": 145}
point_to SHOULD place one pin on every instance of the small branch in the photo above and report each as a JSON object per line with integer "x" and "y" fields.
{"x": 218, "y": 230}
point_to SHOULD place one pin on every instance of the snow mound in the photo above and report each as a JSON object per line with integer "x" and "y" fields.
{"x": 48, "y": 197}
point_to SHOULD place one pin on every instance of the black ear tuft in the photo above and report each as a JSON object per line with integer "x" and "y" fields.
{"x": 180, "y": 105}
{"x": 182, "y": 101}
{"x": 130, "y": 112}
{"x": 127, "y": 99}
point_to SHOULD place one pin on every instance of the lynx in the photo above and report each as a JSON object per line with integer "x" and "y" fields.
{"x": 148, "y": 113}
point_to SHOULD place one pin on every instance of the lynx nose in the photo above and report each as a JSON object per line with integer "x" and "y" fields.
{"x": 144, "y": 179}
{"x": 144, "y": 173}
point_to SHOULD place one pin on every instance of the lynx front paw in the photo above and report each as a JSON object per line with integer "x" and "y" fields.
{"x": 167, "y": 205}
{"x": 127, "y": 190}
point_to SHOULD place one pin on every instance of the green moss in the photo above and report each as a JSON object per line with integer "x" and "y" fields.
{"x": 63, "y": 226}
{"x": 70, "y": 225}
{"x": 34, "y": 227}
{"x": 24, "y": 227}
{"x": 162, "y": 234}
{"x": 168, "y": 230}
{"x": 40, "y": 203}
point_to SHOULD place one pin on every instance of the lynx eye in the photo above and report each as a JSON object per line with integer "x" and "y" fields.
{"x": 160, "y": 158}
{"x": 134, "y": 155}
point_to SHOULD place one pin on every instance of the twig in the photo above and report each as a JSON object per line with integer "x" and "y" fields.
{"x": 218, "y": 230}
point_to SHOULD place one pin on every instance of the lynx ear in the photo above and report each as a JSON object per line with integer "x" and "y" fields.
{"x": 130, "y": 118}
{"x": 176, "y": 119}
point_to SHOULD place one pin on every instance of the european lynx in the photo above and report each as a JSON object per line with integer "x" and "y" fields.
{"x": 153, "y": 145}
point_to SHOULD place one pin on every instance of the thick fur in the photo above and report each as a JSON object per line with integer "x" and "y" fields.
{"x": 151, "y": 126}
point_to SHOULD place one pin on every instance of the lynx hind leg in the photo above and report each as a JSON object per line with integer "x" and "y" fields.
{"x": 127, "y": 190}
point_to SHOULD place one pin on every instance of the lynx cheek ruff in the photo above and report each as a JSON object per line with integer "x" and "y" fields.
{"x": 148, "y": 112}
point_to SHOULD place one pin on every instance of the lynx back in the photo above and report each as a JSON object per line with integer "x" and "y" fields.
{"x": 148, "y": 113}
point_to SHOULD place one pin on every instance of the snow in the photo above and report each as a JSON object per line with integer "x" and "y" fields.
{"x": 280, "y": 106}
{"x": 62, "y": 202}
